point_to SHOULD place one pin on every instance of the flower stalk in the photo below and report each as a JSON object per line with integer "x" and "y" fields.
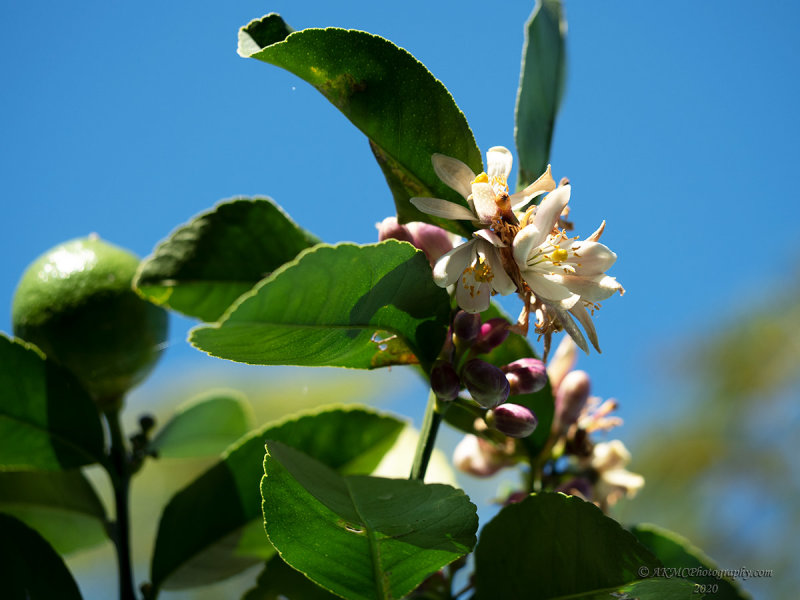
{"x": 434, "y": 413}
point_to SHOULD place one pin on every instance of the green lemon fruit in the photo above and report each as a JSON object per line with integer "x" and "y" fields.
{"x": 76, "y": 303}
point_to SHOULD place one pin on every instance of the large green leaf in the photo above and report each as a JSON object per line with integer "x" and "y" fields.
{"x": 61, "y": 505}
{"x": 685, "y": 560}
{"x": 407, "y": 114}
{"x": 47, "y": 420}
{"x": 361, "y": 537}
{"x": 216, "y": 257}
{"x": 541, "y": 402}
{"x": 541, "y": 86}
{"x": 552, "y": 545}
{"x": 339, "y": 306}
{"x": 29, "y": 568}
{"x": 204, "y": 426}
{"x": 279, "y": 581}
{"x": 213, "y": 528}
{"x": 644, "y": 589}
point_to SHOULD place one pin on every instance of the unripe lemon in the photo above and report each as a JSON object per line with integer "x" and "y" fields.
{"x": 76, "y": 303}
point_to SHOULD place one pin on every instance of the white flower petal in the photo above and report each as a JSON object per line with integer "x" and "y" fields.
{"x": 584, "y": 318}
{"x": 571, "y": 328}
{"x": 443, "y": 208}
{"x": 594, "y": 288}
{"x": 592, "y": 258}
{"x": 501, "y": 282}
{"x": 449, "y": 267}
{"x": 544, "y": 184}
{"x": 454, "y": 173}
{"x": 483, "y": 199}
{"x": 610, "y": 455}
{"x": 491, "y": 237}
{"x": 473, "y": 296}
{"x": 549, "y": 288}
{"x": 550, "y": 209}
{"x": 528, "y": 238}
{"x": 499, "y": 161}
{"x": 629, "y": 482}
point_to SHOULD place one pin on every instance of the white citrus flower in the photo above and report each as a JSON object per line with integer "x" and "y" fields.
{"x": 609, "y": 459}
{"x": 564, "y": 273}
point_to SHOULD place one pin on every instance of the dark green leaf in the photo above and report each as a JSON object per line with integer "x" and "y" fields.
{"x": 552, "y": 545}
{"x": 279, "y": 581}
{"x": 676, "y": 552}
{"x": 541, "y": 86}
{"x": 61, "y": 505}
{"x": 407, "y": 114}
{"x": 219, "y": 255}
{"x": 213, "y": 528}
{"x": 47, "y": 420}
{"x": 29, "y": 568}
{"x": 541, "y": 403}
{"x": 645, "y": 589}
{"x": 204, "y": 426}
{"x": 339, "y": 306}
{"x": 361, "y": 537}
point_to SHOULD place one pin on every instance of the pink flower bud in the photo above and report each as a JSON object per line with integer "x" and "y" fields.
{"x": 493, "y": 333}
{"x": 570, "y": 399}
{"x": 486, "y": 383}
{"x": 513, "y": 420}
{"x": 466, "y": 326}
{"x": 526, "y": 375}
{"x": 444, "y": 381}
{"x": 479, "y": 458}
{"x": 433, "y": 241}
{"x": 390, "y": 229}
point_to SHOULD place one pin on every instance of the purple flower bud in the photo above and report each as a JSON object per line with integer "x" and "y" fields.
{"x": 486, "y": 383}
{"x": 433, "y": 241}
{"x": 390, "y": 229}
{"x": 444, "y": 381}
{"x": 466, "y": 326}
{"x": 526, "y": 375}
{"x": 513, "y": 420}
{"x": 579, "y": 486}
{"x": 493, "y": 333}
{"x": 570, "y": 399}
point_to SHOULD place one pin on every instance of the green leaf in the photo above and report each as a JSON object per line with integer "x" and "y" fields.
{"x": 209, "y": 262}
{"x": 213, "y": 528}
{"x": 29, "y": 567}
{"x": 541, "y": 402}
{"x": 541, "y": 86}
{"x": 204, "y": 426}
{"x": 61, "y": 505}
{"x": 645, "y": 589}
{"x": 361, "y": 537}
{"x": 552, "y": 545}
{"x": 407, "y": 114}
{"x": 339, "y": 306}
{"x": 47, "y": 420}
{"x": 279, "y": 581}
{"x": 676, "y": 552}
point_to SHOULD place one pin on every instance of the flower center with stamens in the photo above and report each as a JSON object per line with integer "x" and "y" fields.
{"x": 560, "y": 255}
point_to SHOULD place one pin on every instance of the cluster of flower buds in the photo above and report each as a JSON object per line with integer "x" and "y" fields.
{"x": 488, "y": 385}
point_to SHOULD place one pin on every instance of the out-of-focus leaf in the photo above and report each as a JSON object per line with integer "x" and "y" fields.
{"x": 204, "y": 426}
{"x": 216, "y": 257}
{"x": 644, "y": 589}
{"x": 279, "y": 581}
{"x": 29, "y": 567}
{"x": 358, "y": 536}
{"x": 407, "y": 114}
{"x": 61, "y": 505}
{"x": 551, "y": 545}
{"x": 47, "y": 420}
{"x": 213, "y": 528}
{"x": 344, "y": 306}
{"x": 541, "y": 86}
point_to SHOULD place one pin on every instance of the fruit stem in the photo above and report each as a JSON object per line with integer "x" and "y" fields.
{"x": 120, "y": 479}
{"x": 427, "y": 437}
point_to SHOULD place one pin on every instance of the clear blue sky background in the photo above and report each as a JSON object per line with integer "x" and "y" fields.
{"x": 679, "y": 127}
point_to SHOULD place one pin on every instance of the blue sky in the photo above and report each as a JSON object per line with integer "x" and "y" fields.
{"x": 679, "y": 127}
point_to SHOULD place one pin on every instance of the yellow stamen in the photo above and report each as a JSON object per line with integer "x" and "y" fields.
{"x": 482, "y": 178}
{"x": 560, "y": 255}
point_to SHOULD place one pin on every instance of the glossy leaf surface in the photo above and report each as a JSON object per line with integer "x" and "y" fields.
{"x": 216, "y": 257}
{"x": 407, "y": 114}
{"x": 361, "y": 537}
{"x": 342, "y": 306}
